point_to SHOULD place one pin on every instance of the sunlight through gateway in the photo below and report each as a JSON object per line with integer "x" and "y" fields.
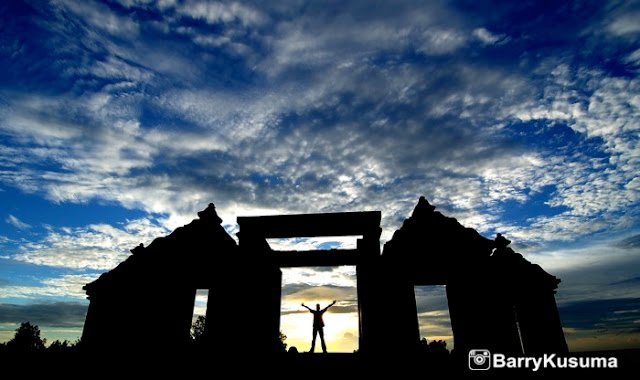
{"x": 320, "y": 285}
{"x": 261, "y": 231}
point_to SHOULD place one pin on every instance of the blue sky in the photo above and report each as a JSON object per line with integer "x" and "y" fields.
{"x": 120, "y": 119}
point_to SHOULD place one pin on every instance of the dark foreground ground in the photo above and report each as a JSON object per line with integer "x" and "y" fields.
{"x": 118, "y": 364}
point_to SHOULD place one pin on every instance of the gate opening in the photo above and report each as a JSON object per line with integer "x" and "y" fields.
{"x": 320, "y": 285}
{"x": 200, "y": 304}
{"x": 433, "y": 314}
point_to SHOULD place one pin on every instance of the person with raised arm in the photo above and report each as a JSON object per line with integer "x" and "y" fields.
{"x": 318, "y": 325}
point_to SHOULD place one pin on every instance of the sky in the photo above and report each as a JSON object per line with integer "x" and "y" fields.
{"x": 120, "y": 119}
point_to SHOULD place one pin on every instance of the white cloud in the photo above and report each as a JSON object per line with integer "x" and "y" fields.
{"x": 441, "y": 41}
{"x": 303, "y": 244}
{"x": 598, "y": 271}
{"x": 625, "y": 24}
{"x": 100, "y": 16}
{"x": 97, "y": 246}
{"x": 67, "y": 286}
{"x": 633, "y": 58}
{"x": 114, "y": 68}
{"x": 336, "y": 280}
{"x": 486, "y": 37}
{"x": 315, "y": 40}
{"x": 29, "y": 121}
{"x": 17, "y": 223}
{"x": 218, "y": 12}
{"x": 593, "y": 189}
{"x": 237, "y": 127}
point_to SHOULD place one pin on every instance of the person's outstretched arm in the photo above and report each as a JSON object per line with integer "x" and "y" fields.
{"x": 308, "y": 308}
{"x": 331, "y": 304}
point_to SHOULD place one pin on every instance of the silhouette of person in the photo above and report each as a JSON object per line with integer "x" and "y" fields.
{"x": 318, "y": 325}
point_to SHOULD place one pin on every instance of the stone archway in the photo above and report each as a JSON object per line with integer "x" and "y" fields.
{"x": 253, "y": 235}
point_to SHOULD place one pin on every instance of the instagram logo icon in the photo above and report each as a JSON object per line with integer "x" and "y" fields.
{"x": 479, "y": 359}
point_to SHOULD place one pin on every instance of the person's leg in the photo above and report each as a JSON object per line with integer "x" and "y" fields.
{"x": 313, "y": 341}
{"x": 324, "y": 346}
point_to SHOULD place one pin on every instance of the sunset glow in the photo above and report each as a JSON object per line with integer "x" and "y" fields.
{"x": 309, "y": 286}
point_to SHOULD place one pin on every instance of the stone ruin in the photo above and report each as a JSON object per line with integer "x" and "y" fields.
{"x": 497, "y": 299}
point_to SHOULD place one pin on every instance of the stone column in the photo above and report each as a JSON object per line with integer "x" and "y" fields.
{"x": 540, "y": 325}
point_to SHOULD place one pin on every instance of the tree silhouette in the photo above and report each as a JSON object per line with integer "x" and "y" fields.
{"x": 282, "y": 338}
{"x": 434, "y": 349}
{"x": 77, "y": 345}
{"x": 27, "y": 339}
{"x": 59, "y": 347}
{"x": 197, "y": 329}
{"x": 438, "y": 347}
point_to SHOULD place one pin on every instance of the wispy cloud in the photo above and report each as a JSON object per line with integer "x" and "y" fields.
{"x": 215, "y": 13}
{"x": 624, "y": 24}
{"x": 56, "y": 314}
{"x": 486, "y": 37}
{"x": 616, "y": 314}
{"x": 67, "y": 286}
{"x": 17, "y": 223}
{"x": 99, "y": 246}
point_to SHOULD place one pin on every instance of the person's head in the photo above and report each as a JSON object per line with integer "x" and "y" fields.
{"x": 317, "y": 306}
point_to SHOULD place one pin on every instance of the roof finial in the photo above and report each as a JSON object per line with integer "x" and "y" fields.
{"x": 423, "y": 207}
{"x": 210, "y": 214}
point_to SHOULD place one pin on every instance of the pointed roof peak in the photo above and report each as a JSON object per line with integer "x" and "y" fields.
{"x": 210, "y": 214}
{"x": 422, "y": 208}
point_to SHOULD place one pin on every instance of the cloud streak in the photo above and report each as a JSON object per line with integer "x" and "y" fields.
{"x": 17, "y": 223}
{"x": 62, "y": 287}
{"x": 98, "y": 246}
{"x": 57, "y": 314}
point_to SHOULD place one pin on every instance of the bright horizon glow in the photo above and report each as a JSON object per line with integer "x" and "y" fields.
{"x": 320, "y": 287}
{"x": 339, "y": 332}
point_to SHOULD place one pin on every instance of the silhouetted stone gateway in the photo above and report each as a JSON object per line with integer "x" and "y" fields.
{"x": 497, "y": 299}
